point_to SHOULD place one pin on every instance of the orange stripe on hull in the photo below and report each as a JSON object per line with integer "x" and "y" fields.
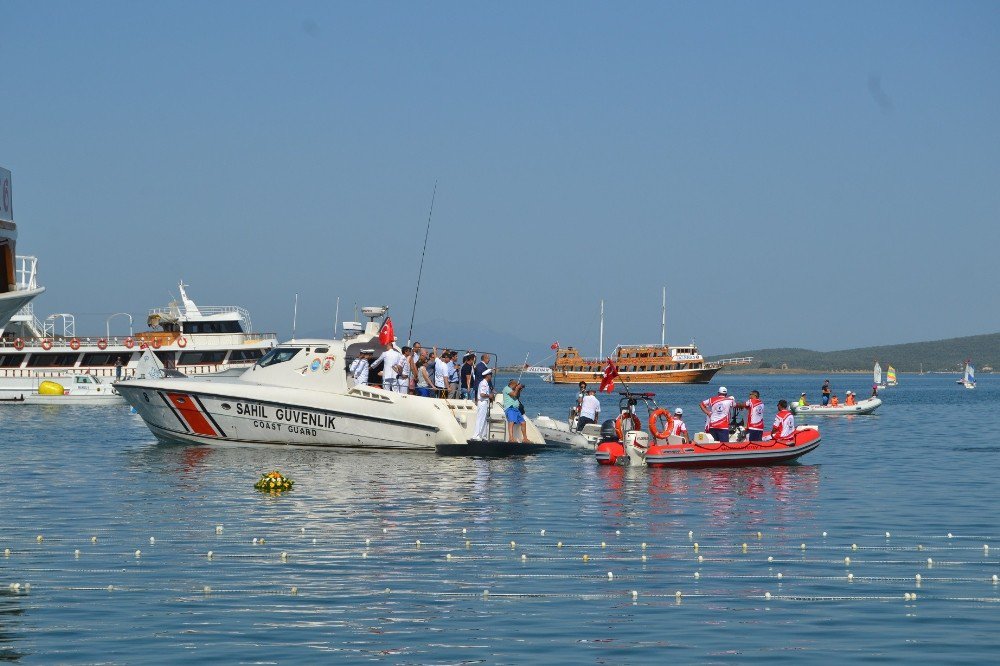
{"x": 189, "y": 411}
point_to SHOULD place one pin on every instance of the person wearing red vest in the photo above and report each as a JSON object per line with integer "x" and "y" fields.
{"x": 783, "y": 430}
{"x": 755, "y": 416}
{"x": 718, "y": 409}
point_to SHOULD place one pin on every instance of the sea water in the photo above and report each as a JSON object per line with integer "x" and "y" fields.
{"x": 412, "y": 558}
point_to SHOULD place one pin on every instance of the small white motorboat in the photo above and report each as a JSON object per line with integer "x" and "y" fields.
{"x": 59, "y": 390}
{"x": 560, "y": 433}
{"x": 861, "y": 407}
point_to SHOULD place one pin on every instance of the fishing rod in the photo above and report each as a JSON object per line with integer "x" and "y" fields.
{"x": 427, "y": 233}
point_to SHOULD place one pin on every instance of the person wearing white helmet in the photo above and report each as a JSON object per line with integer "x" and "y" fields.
{"x": 718, "y": 409}
{"x": 679, "y": 428}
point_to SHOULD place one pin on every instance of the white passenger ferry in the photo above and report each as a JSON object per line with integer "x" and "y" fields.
{"x": 17, "y": 274}
{"x": 195, "y": 340}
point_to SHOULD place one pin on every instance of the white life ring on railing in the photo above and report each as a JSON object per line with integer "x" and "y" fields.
{"x": 156, "y": 343}
{"x": 19, "y": 344}
{"x": 46, "y": 344}
{"x": 74, "y": 344}
{"x": 129, "y": 343}
{"x": 102, "y": 344}
{"x": 182, "y": 342}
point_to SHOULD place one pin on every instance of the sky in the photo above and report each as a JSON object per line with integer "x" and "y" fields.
{"x": 820, "y": 175}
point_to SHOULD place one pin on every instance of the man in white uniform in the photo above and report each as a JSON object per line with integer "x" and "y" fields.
{"x": 590, "y": 410}
{"x": 680, "y": 428}
{"x": 391, "y": 361}
{"x": 359, "y": 367}
{"x": 484, "y": 396}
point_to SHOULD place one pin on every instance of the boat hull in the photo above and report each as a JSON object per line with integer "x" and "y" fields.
{"x": 733, "y": 454}
{"x": 863, "y": 407}
{"x": 692, "y": 376}
{"x": 559, "y": 433}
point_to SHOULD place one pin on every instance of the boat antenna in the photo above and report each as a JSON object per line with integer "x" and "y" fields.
{"x": 295, "y": 314}
{"x": 427, "y": 233}
{"x": 663, "y": 319}
{"x": 600, "y": 349}
{"x": 336, "y": 316}
{"x": 523, "y": 367}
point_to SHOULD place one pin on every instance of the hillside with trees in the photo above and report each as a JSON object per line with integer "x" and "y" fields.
{"x": 935, "y": 356}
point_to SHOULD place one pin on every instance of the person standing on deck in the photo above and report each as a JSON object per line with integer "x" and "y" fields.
{"x": 783, "y": 429}
{"x": 755, "y": 416}
{"x": 826, "y": 392}
{"x": 391, "y": 361}
{"x": 718, "y": 409}
{"x": 466, "y": 374}
{"x": 481, "y": 367}
{"x": 118, "y": 369}
{"x": 453, "y": 376}
{"x": 590, "y": 410}
{"x": 579, "y": 399}
{"x": 441, "y": 373}
{"x": 359, "y": 367}
{"x": 484, "y": 397}
{"x": 403, "y": 380}
{"x": 511, "y": 408}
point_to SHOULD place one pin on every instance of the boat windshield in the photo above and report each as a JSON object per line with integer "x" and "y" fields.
{"x": 278, "y": 355}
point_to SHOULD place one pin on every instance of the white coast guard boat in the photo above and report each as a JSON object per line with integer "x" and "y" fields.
{"x": 300, "y": 394}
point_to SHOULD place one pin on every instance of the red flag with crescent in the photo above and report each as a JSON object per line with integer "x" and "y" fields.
{"x": 386, "y": 334}
{"x": 608, "y": 380}
{"x": 554, "y": 345}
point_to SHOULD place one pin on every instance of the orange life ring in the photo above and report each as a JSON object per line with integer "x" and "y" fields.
{"x": 182, "y": 342}
{"x": 102, "y": 344}
{"x": 46, "y": 344}
{"x": 19, "y": 344}
{"x": 156, "y": 343}
{"x": 74, "y": 344}
{"x": 636, "y": 424}
{"x": 129, "y": 343}
{"x": 654, "y": 417}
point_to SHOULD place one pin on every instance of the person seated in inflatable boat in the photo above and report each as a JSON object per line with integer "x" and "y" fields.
{"x": 849, "y": 400}
{"x": 834, "y": 401}
{"x": 783, "y": 429}
{"x": 802, "y": 400}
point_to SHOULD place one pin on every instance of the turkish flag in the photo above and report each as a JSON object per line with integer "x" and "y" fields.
{"x": 385, "y": 334}
{"x": 608, "y": 381}
{"x": 554, "y": 345}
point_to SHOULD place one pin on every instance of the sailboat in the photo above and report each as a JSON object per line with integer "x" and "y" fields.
{"x": 877, "y": 374}
{"x": 969, "y": 380}
{"x": 890, "y": 377}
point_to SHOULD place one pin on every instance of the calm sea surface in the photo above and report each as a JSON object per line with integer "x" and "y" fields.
{"x": 915, "y": 487}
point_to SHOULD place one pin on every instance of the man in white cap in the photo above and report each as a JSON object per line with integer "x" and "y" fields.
{"x": 718, "y": 408}
{"x": 484, "y": 396}
{"x": 680, "y": 428}
{"x": 359, "y": 366}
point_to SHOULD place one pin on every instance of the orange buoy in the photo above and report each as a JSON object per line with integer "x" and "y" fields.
{"x": 156, "y": 343}
{"x": 653, "y": 423}
{"x": 129, "y": 343}
{"x": 74, "y": 344}
{"x": 636, "y": 424}
{"x": 19, "y": 344}
{"x": 182, "y": 342}
{"x": 102, "y": 344}
{"x": 46, "y": 344}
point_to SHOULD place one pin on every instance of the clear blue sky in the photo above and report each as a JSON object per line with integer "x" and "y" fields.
{"x": 806, "y": 174}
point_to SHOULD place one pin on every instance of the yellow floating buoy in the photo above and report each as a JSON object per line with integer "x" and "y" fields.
{"x": 51, "y": 388}
{"x": 513, "y": 543}
{"x": 6, "y": 552}
{"x": 586, "y": 557}
{"x": 847, "y": 561}
{"x": 635, "y": 595}
{"x": 850, "y": 578}
{"x": 40, "y": 538}
{"x": 780, "y": 575}
{"x": 218, "y": 530}
{"x": 770, "y": 558}
{"x": 644, "y": 545}
{"x": 207, "y": 590}
{"x": 696, "y": 547}
{"x": 767, "y": 595}
{"x": 138, "y": 553}
{"x": 210, "y": 555}
{"x": 295, "y": 590}
{"x": 93, "y": 539}
{"x": 744, "y": 548}
{"x": 604, "y": 545}
{"x": 644, "y": 559}
{"x": 559, "y": 545}
{"x": 854, "y": 546}
{"x": 611, "y": 576}
{"x": 542, "y": 532}
{"x": 618, "y": 532}
{"x": 76, "y": 553}
{"x": 468, "y": 543}
{"x": 284, "y": 556}
{"x": 701, "y": 558}
{"x": 824, "y": 535}
{"x": 760, "y": 535}
{"x": 152, "y": 540}
{"x": 448, "y": 556}
{"x": 697, "y": 574}
{"x": 523, "y": 557}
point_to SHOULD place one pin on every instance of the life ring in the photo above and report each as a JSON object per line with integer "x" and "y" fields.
{"x": 129, "y": 343}
{"x": 636, "y": 424}
{"x": 182, "y": 342}
{"x": 46, "y": 344}
{"x": 653, "y": 425}
{"x": 156, "y": 343}
{"x": 19, "y": 344}
{"x": 74, "y": 344}
{"x": 102, "y": 344}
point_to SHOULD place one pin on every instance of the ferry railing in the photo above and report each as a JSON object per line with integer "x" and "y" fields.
{"x": 109, "y": 371}
{"x": 737, "y": 360}
{"x": 207, "y": 311}
{"x": 62, "y": 342}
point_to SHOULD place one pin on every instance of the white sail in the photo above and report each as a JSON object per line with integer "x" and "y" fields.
{"x": 970, "y": 376}
{"x": 878, "y": 373}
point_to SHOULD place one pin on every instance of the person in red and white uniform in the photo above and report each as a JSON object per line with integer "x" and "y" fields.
{"x": 783, "y": 429}
{"x": 755, "y": 416}
{"x": 679, "y": 428}
{"x": 718, "y": 409}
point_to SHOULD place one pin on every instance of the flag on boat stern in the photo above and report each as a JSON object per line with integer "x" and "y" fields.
{"x": 386, "y": 335}
{"x": 608, "y": 381}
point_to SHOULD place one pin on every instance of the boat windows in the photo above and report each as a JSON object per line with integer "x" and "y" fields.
{"x": 52, "y": 360}
{"x": 278, "y": 355}
{"x": 201, "y": 357}
{"x": 245, "y": 355}
{"x": 195, "y": 327}
{"x": 106, "y": 359}
{"x": 11, "y": 360}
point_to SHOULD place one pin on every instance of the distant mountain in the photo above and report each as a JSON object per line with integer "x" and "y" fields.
{"x": 937, "y": 355}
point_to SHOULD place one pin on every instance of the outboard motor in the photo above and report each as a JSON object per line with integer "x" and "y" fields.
{"x": 609, "y": 449}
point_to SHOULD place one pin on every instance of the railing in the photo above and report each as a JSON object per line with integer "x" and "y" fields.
{"x": 204, "y": 341}
{"x": 208, "y": 311}
{"x": 109, "y": 371}
{"x": 26, "y": 273}
{"x": 738, "y": 360}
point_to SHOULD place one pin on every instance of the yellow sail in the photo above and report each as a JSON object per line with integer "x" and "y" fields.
{"x": 890, "y": 376}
